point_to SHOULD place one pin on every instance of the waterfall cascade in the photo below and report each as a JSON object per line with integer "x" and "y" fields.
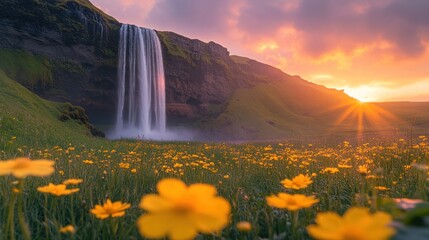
{"x": 141, "y": 85}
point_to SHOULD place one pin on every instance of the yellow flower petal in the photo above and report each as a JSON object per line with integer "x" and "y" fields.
{"x": 183, "y": 228}
{"x": 202, "y": 190}
{"x": 356, "y": 223}
{"x": 155, "y": 203}
{"x": 154, "y": 225}
{"x": 182, "y": 212}
{"x": 171, "y": 188}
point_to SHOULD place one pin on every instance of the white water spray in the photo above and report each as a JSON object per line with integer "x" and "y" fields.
{"x": 141, "y": 85}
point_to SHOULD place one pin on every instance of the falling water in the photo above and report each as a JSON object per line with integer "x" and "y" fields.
{"x": 141, "y": 88}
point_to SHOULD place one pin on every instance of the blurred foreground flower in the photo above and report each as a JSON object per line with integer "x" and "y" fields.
{"x": 291, "y": 202}
{"x": 244, "y": 226}
{"x": 299, "y": 182}
{"x": 68, "y": 229}
{"x": 57, "y": 190}
{"x": 73, "y": 181}
{"x": 181, "y": 212}
{"x": 109, "y": 209}
{"x": 357, "y": 223}
{"x": 23, "y": 167}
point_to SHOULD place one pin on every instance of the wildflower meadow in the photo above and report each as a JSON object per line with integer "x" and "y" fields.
{"x": 189, "y": 190}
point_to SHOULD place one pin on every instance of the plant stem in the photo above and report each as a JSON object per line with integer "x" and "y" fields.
{"x": 21, "y": 217}
{"x": 295, "y": 215}
{"x": 45, "y": 210}
{"x": 10, "y": 223}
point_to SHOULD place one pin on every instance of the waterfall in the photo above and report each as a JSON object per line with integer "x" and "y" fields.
{"x": 141, "y": 85}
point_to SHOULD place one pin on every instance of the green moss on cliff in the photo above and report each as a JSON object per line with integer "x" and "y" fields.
{"x": 29, "y": 70}
{"x": 174, "y": 49}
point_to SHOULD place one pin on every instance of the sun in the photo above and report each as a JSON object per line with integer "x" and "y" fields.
{"x": 362, "y": 93}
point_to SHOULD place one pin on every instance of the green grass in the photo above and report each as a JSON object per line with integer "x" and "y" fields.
{"x": 253, "y": 172}
{"x": 244, "y": 174}
{"x": 32, "y": 120}
{"x": 29, "y": 70}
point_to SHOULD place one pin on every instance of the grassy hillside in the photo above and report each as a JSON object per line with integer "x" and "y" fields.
{"x": 290, "y": 109}
{"x": 277, "y": 106}
{"x": 26, "y": 119}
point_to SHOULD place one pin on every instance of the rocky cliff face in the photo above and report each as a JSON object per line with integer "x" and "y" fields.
{"x": 76, "y": 43}
{"x": 202, "y": 77}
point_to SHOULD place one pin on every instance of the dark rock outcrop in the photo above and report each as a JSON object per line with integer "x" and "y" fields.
{"x": 79, "y": 44}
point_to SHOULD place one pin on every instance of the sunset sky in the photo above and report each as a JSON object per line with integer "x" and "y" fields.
{"x": 375, "y": 50}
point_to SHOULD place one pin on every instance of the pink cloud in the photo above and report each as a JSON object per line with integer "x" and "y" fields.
{"x": 354, "y": 41}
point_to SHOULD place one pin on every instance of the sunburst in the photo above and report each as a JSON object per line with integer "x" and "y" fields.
{"x": 362, "y": 117}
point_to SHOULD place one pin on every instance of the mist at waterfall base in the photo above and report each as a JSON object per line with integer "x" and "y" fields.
{"x": 141, "y": 88}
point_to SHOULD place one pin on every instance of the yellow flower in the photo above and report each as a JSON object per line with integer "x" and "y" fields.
{"x": 68, "y": 229}
{"x": 330, "y": 170}
{"x": 57, "y": 190}
{"x": 73, "y": 181}
{"x": 357, "y": 223}
{"x": 344, "y": 166}
{"x": 381, "y": 188}
{"x": 88, "y": 162}
{"x": 124, "y": 165}
{"x": 244, "y": 226}
{"x": 180, "y": 212}
{"x": 362, "y": 169}
{"x": 23, "y": 167}
{"x": 291, "y": 202}
{"x": 298, "y": 182}
{"x": 109, "y": 209}
{"x": 178, "y": 165}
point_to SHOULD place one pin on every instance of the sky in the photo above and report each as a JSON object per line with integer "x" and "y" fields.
{"x": 376, "y": 50}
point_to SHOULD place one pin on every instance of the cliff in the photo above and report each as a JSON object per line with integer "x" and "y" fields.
{"x": 66, "y": 50}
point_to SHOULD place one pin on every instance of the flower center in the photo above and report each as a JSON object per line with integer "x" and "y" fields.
{"x": 184, "y": 206}
{"x": 352, "y": 234}
{"x": 291, "y": 202}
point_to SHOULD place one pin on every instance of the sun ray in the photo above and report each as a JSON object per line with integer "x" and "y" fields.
{"x": 364, "y": 119}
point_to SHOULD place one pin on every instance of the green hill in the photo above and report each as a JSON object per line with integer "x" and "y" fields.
{"x": 26, "y": 119}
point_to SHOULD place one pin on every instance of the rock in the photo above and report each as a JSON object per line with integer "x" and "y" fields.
{"x": 78, "y": 40}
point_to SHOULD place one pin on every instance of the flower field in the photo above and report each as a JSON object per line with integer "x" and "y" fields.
{"x": 177, "y": 190}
